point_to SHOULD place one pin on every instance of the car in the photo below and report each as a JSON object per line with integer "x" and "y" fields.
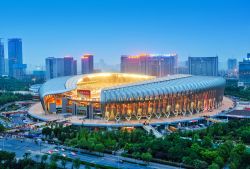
{"x": 62, "y": 149}
{"x": 56, "y": 150}
{"x": 73, "y": 153}
{"x": 50, "y": 151}
{"x": 64, "y": 155}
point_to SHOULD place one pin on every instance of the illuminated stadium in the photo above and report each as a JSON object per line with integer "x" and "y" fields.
{"x": 120, "y": 97}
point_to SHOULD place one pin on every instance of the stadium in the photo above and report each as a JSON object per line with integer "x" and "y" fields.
{"x": 120, "y": 97}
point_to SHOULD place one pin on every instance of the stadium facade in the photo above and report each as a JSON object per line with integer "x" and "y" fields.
{"x": 122, "y": 97}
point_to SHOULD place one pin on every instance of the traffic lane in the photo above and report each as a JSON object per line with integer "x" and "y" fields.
{"x": 20, "y": 147}
{"x": 106, "y": 160}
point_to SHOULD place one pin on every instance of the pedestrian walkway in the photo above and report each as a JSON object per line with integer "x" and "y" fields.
{"x": 150, "y": 128}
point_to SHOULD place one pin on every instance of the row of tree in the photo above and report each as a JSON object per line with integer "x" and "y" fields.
{"x": 8, "y": 160}
{"x": 213, "y": 147}
{"x": 241, "y": 92}
{"x": 7, "y": 97}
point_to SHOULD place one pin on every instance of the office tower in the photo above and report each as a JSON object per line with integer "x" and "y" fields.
{"x": 231, "y": 64}
{"x": 204, "y": 66}
{"x": 57, "y": 67}
{"x": 244, "y": 71}
{"x": 75, "y": 67}
{"x": 70, "y": 66}
{"x": 6, "y": 66}
{"x": 2, "y": 70}
{"x": 149, "y": 64}
{"x": 87, "y": 63}
{"x": 38, "y": 75}
{"x": 232, "y": 68}
{"x": 15, "y": 56}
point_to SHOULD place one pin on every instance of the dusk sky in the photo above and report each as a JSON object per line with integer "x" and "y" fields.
{"x": 110, "y": 28}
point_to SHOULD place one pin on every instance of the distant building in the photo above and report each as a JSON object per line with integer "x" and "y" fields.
{"x": 39, "y": 75}
{"x": 70, "y": 66}
{"x": 6, "y": 66}
{"x": 87, "y": 64}
{"x": 244, "y": 71}
{"x": 58, "y": 67}
{"x": 2, "y": 70}
{"x": 15, "y": 56}
{"x": 232, "y": 68}
{"x": 231, "y": 64}
{"x": 149, "y": 64}
{"x": 182, "y": 70}
{"x": 74, "y": 67}
{"x": 203, "y": 66}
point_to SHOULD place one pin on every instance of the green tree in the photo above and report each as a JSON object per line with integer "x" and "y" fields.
{"x": 63, "y": 162}
{"x": 47, "y": 131}
{"x": 53, "y": 165}
{"x": 44, "y": 158}
{"x": 2, "y": 128}
{"x": 146, "y": 157}
{"x": 219, "y": 160}
{"x": 76, "y": 163}
{"x": 199, "y": 164}
{"x": 99, "y": 147}
{"x": 213, "y": 166}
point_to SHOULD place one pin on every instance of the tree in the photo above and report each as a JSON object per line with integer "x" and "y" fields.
{"x": 26, "y": 155}
{"x": 199, "y": 164}
{"x": 99, "y": 147}
{"x": 47, "y": 131}
{"x": 207, "y": 142}
{"x": 213, "y": 166}
{"x": 63, "y": 162}
{"x": 53, "y": 165}
{"x": 37, "y": 156}
{"x": 2, "y": 128}
{"x": 209, "y": 155}
{"x": 146, "y": 157}
{"x": 219, "y": 160}
{"x": 76, "y": 163}
{"x": 44, "y": 158}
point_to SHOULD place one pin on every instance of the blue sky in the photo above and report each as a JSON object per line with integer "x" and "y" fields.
{"x": 109, "y": 28}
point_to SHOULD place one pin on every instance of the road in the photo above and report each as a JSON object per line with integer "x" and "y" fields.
{"x": 20, "y": 148}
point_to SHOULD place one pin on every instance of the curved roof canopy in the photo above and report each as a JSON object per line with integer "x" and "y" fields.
{"x": 153, "y": 87}
{"x": 161, "y": 86}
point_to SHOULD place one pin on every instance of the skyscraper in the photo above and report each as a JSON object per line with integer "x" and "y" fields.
{"x": 244, "y": 71}
{"x": 87, "y": 63}
{"x": 57, "y": 67}
{"x": 15, "y": 56}
{"x": 2, "y": 70}
{"x": 204, "y": 66}
{"x": 231, "y": 64}
{"x": 232, "y": 68}
{"x": 70, "y": 66}
{"x": 149, "y": 64}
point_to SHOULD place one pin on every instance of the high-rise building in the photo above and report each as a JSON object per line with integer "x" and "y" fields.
{"x": 231, "y": 64}
{"x": 87, "y": 63}
{"x": 2, "y": 70}
{"x": 15, "y": 56}
{"x": 75, "y": 67}
{"x": 149, "y": 64}
{"x": 203, "y": 66}
{"x": 70, "y": 66}
{"x": 232, "y": 68}
{"x": 6, "y": 66}
{"x": 57, "y": 67}
{"x": 244, "y": 71}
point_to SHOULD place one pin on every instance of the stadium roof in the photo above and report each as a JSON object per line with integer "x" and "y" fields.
{"x": 161, "y": 86}
{"x": 153, "y": 87}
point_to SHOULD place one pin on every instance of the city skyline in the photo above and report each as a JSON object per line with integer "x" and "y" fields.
{"x": 109, "y": 29}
